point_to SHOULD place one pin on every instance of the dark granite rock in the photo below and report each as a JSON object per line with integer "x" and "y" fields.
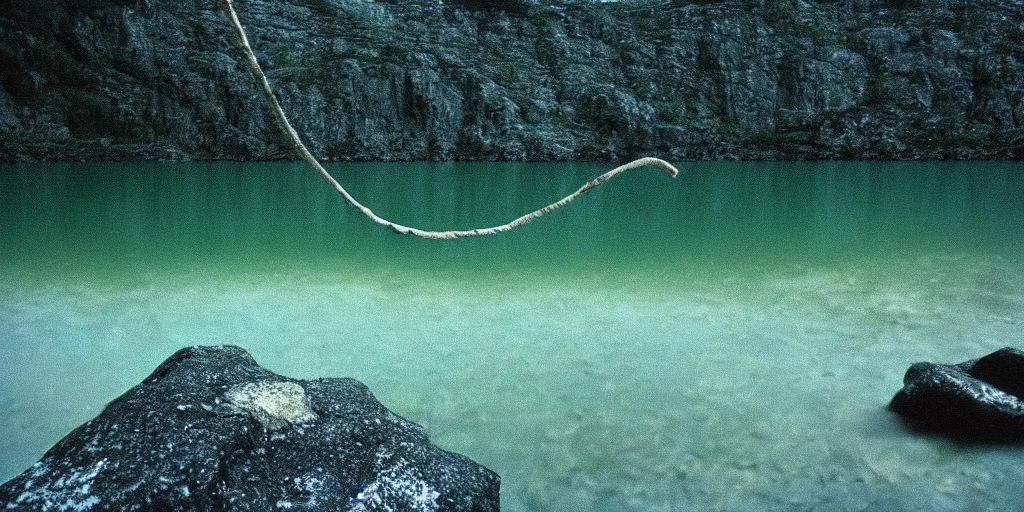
{"x": 514, "y": 79}
{"x": 981, "y": 399}
{"x": 212, "y": 430}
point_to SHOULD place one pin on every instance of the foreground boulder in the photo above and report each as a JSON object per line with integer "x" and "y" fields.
{"x": 981, "y": 400}
{"x": 212, "y": 430}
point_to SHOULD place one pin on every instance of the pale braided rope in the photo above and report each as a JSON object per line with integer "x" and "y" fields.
{"x": 300, "y": 148}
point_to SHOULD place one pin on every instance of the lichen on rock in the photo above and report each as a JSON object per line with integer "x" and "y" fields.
{"x": 274, "y": 404}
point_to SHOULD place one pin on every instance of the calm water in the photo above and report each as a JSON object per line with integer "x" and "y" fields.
{"x": 724, "y": 341}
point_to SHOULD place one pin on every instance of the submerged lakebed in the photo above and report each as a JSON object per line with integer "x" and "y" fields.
{"x": 724, "y": 341}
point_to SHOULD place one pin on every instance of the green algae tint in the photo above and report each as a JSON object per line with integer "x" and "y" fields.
{"x": 724, "y": 341}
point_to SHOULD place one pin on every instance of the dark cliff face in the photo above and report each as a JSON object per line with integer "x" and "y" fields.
{"x": 515, "y": 80}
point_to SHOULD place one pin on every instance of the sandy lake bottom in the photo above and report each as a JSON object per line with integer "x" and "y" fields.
{"x": 727, "y": 343}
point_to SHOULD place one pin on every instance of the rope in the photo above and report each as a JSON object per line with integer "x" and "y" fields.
{"x": 300, "y": 148}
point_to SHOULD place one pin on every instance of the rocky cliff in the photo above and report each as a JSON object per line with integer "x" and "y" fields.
{"x": 515, "y": 79}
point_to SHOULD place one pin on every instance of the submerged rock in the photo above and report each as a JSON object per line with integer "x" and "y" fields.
{"x": 982, "y": 399}
{"x": 212, "y": 430}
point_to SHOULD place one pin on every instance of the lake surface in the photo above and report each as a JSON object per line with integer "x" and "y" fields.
{"x": 724, "y": 341}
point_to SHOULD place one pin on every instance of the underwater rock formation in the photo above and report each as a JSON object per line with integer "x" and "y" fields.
{"x": 212, "y": 430}
{"x": 982, "y": 399}
{"x": 514, "y": 80}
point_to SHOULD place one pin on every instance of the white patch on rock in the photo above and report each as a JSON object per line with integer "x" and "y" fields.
{"x": 398, "y": 486}
{"x": 274, "y": 404}
{"x": 68, "y": 493}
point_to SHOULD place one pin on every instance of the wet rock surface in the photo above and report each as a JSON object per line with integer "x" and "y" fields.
{"x": 212, "y": 430}
{"x": 514, "y": 80}
{"x": 980, "y": 400}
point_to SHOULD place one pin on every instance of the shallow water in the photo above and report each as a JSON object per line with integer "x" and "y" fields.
{"x": 724, "y": 341}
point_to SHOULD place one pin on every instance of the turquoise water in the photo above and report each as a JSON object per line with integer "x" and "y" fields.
{"x": 723, "y": 341}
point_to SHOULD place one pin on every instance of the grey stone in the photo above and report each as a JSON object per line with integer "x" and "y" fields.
{"x": 982, "y": 399}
